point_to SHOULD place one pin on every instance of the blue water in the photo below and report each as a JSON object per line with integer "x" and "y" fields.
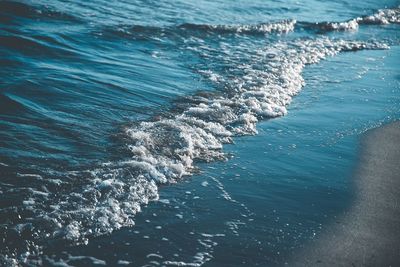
{"x": 202, "y": 133}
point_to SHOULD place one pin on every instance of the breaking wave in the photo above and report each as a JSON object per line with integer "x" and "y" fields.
{"x": 278, "y": 27}
{"x": 382, "y": 17}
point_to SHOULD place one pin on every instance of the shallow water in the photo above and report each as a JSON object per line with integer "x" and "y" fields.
{"x": 107, "y": 106}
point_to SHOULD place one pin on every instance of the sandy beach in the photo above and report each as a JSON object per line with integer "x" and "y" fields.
{"x": 369, "y": 233}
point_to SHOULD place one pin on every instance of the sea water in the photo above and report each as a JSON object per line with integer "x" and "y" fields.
{"x": 186, "y": 133}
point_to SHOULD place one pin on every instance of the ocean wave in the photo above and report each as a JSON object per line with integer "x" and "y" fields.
{"x": 284, "y": 26}
{"x": 69, "y": 207}
{"x": 255, "y": 82}
{"x": 381, "y": 17}
{"x": 142, "y": 32}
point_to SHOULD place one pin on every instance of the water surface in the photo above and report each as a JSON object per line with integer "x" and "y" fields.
{"x": 107, "y": 107}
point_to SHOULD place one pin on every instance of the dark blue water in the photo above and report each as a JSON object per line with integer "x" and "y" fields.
{"x": 107, "y": 107}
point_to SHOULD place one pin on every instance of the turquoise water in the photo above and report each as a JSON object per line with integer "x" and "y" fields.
{"x": 185, "y": 134}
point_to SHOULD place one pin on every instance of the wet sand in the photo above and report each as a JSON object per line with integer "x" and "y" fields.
{"x": 369, "y": 233}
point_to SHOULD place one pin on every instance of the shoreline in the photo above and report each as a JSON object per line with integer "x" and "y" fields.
{"x": 368, "y": 234}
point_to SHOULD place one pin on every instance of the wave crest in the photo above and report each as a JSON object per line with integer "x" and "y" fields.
{"x": 382, "y": 17}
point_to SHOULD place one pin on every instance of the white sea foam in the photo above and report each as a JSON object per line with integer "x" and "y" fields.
{"x": 94, "y": 260}
{"x": 198, "y": 260}
{"x": 284, "y": 26}
{"x": 383, "y": 16}
{"x": 30, "y": 175}
{"x": 154, "y": 255}
{"x": 181, "y": 263}
{"x": 123, "y": 262}
{"x": 350, "y": 25}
